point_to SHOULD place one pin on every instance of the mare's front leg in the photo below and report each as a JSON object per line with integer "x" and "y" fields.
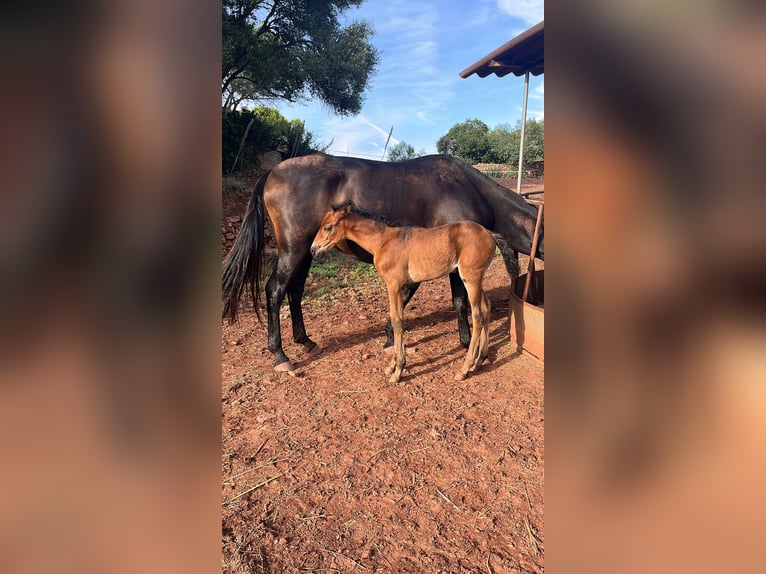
{"x": 407, "y": 292}
{"x": 396, "y": 308}
{"x": 460, "y": 302}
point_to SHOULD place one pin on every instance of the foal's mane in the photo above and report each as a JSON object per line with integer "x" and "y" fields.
{"x": 376, "y": 217}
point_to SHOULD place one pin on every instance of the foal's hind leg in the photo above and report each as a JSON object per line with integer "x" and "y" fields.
{"x": 479, "y": 345}
{"x": 483, "y": 344}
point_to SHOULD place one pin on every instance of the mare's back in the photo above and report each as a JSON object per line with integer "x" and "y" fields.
{"x": 426, "y": 191}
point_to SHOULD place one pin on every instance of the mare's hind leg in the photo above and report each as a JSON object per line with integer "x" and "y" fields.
{"x": 407, "y": 292}
{"x": 295, "y": 290}
{"x": 287, "y": 269}
{"x": 460, "y": 302}
{"x": 511, "y": 260}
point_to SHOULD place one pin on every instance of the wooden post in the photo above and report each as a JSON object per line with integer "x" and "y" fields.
{"x": 531, "y": 266}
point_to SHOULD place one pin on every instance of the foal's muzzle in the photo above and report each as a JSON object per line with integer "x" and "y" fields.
{"x": 318, "y": 253}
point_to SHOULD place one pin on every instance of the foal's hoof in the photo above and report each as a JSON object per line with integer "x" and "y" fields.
{"x": 460, "y": 376}
{"x": 284, "y": 367}
{"x": 477, "y": 366}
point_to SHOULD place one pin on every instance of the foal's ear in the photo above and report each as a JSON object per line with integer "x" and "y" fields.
{"x": 344, "y": 207}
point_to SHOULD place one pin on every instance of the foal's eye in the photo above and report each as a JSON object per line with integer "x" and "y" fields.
{"x": 327, "y": 228}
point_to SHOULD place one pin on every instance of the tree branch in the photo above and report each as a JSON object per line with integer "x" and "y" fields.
{"x": 266, "y": 24}
{"x": 233, "y": 75}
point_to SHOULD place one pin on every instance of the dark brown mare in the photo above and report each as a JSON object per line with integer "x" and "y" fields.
{"x": 408, "y": 255}
{"x": 425, "y": 192}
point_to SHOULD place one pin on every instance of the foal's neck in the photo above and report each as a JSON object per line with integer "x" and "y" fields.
{"x": 366, "y": 233}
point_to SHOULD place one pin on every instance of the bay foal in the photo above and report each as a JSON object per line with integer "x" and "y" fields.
{"x": 407, "y": 255}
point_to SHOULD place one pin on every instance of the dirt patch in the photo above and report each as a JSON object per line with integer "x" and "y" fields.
{"x": 338, "y": 470}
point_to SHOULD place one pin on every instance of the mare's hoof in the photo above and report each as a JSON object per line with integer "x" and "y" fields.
{"x": 394, "y": 379}
{"x": 460, "y": 376}
{"x": 315, "y": 351}
{"x": 284, "y": 367}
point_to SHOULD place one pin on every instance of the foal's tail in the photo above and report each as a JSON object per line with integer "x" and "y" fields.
{"x": 244, "y": 262}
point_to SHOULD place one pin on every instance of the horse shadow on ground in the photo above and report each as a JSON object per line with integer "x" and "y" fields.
{"x": 416, "y": 334}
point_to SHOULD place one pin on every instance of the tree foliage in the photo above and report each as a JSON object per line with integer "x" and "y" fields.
{"x": 504, "y": 144}
{"x": 402, "y": 151}
{"x": 468, "y": 141}
{"x": 248, "y": 133}
{"x": 293, "y": 50}
{"x": 534, "y": 145}
{"x": 474, "y": 142}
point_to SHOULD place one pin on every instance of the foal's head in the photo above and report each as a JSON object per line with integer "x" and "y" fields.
{"x": 331, "y": 232}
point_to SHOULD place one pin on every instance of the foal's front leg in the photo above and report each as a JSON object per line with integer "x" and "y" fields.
{"x": 407, "y": 292}
{"x": 396, "y": 308}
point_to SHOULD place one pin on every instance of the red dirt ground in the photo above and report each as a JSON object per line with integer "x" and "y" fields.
{"x": 336, "y": 470}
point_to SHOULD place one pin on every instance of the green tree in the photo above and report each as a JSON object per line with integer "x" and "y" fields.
{"x": 293, "y": 50}
{"x": 469, "y": 141}
{"x": 475, "y": 143}
{"x": 534, "y": 146}
{"x": 504, "y": 144}
{"x": 403, "y": 151}
{"x": 247, "y": 133}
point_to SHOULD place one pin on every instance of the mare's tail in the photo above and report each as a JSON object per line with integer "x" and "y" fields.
{"x": 242, "y": 266}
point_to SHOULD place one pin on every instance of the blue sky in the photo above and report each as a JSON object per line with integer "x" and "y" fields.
{"x": 423, "y": 47}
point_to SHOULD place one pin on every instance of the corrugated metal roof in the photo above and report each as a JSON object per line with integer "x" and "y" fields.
{"x": 525, "y": 53}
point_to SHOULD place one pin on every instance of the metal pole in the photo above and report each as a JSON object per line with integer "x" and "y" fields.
{"x": 388, "y": 139}
{"x": 523, "y": 130}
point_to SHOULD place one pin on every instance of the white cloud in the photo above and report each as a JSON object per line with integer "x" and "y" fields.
{"x": 378, "y": 129}
{"x": 417, "y": 89}
{"x": 411, "y": 88}
{"x": 530, "y": 11}
{"x": 356, "y": 136}
{"x": 421, "y": 115}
